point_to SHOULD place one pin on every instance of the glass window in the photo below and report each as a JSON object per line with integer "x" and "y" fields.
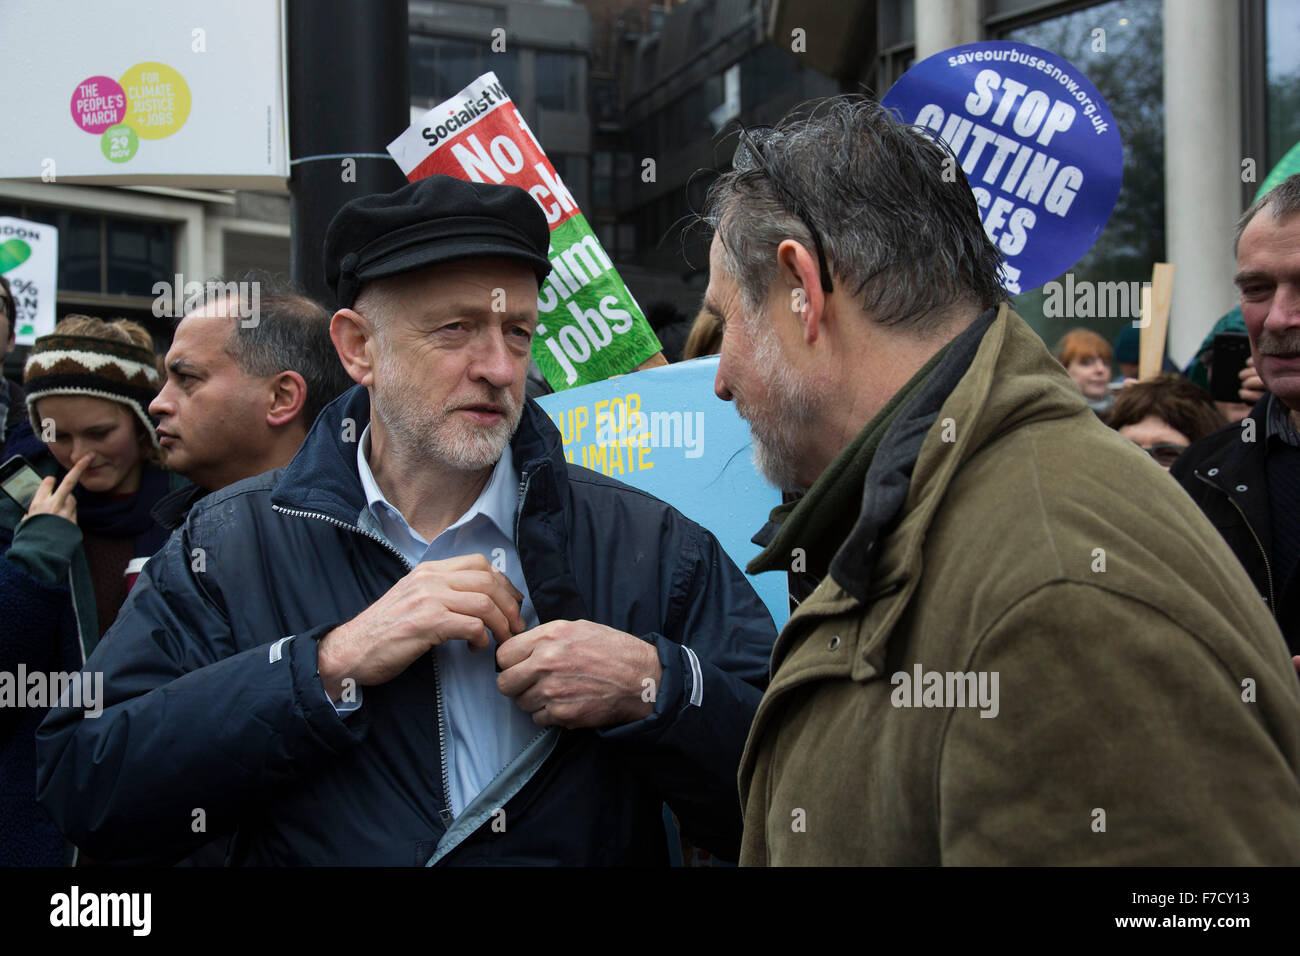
{"x": 463, "y": 13}
{"x": 602, "y": 178}
{"x": 702, "y": 21}
{"x": 132, "y": 254}
{"x": 1015, "y": 6}
{"x": 457, "y": 67}
{"x": 1282, "y": 20}
{"x": 139, "y": 254}
{"x": 79, "y": 249}
{"x": 604, "y": 100}
{"x": 1129, "y": 75}
{"x": 573, "y": 170}
{"x": 895, "y": 23}
{"x": 626, "y": 239}
{"x": 646, "y": 64}
{"x": 768, "y": 73}
{"x": 440, "y": 67}
{"x": 558, "y": 81}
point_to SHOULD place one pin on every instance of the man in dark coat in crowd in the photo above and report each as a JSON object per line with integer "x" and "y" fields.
{"x": 428, "y": 640}
{"x": 1246, "y": 477}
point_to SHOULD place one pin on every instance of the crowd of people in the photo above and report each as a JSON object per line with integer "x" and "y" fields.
{"x": 350, "y": 604}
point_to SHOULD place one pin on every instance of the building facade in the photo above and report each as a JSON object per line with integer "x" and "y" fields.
{"x": 634, "y": 101}
{"x": 1206, "y": 94}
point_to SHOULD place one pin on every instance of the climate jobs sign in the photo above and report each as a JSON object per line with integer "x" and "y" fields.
{"x": 589, "y": 326}
{"x": 1036, "y": 141}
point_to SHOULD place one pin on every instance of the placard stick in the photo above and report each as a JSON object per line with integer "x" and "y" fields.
{"x": 1156, "y": 300}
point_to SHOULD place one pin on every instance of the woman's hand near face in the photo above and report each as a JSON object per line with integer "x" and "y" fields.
{"x": 59, "y": 500}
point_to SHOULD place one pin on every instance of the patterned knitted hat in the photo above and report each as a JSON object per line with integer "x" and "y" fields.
{"x": 100, "y": 368}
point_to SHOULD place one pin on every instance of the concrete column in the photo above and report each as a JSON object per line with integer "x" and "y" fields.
{"x": 941, "y": 24}
{"x": 1202, "y": 77}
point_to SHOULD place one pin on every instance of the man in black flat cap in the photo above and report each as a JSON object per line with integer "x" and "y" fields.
{"x": 428, "y": 639}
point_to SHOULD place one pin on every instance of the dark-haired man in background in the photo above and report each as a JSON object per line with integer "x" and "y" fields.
{"x": 242, "y": 392}
{"x": 1022, "y": 643}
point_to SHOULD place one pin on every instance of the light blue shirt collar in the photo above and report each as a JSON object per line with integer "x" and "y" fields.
{"x": 496, "y": 502}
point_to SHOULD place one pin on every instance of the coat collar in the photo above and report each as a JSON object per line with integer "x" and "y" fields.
{"x": 172, "y": 508}
{"x": 885, "y": 489}
{"x": 1236, "y": 469}
{"x": 1226, "y": 466}
{"x": 322, "y": 477}
{"x": 1011, "y": 381}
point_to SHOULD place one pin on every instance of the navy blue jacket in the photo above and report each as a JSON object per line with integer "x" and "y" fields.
{"x": 44, "y": 628}
{"x": 210, "y": 721}
{"x": 38, "y": 629}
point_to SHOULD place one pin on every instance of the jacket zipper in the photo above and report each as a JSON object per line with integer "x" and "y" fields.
{"x": 1268, "y": 571}
{"x": 524, "y": 479}
{"x": 445, "y": 814}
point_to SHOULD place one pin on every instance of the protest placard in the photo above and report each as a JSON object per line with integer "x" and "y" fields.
{"x": 589, "y": 325}
{"x": 1036, "y": 141}
{"x": 29, "y": 259}
{"x": 664, "y": 431}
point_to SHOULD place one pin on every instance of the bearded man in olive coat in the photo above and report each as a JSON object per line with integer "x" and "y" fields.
{"x": 1019, "y": 641}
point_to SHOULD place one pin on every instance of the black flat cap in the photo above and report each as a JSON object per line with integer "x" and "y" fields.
{"x": 437, "y": 219}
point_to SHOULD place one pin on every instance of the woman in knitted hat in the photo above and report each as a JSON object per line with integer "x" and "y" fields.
{"x": 70, "y": 559}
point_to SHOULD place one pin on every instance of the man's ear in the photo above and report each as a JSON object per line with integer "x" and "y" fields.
{"x": 798, "y": 272}
{"x": 288, "y": 396}
{"x": 351, "y": 335}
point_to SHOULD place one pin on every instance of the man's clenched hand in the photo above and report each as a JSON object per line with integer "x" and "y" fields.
{"x": 579, "y": 674}
{"x": 458, "y": 599}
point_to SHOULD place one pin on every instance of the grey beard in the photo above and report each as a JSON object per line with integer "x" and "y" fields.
{"x": 436, "y": 439}
{"x": 776, "y": 451}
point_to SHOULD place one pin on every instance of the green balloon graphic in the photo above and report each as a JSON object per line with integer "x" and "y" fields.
{"x": 13, "y": 253}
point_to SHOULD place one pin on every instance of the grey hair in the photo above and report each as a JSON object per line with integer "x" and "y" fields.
{"x": 375, "y": 302}
{"x": 904, "y": 239}
{"x": 1283, "y": 199}
{"x": 292, "y": 334}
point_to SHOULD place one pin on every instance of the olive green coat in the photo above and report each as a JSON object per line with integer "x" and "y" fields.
{"x": 1147, "y": 713}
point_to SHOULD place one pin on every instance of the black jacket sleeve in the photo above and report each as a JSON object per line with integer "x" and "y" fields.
{"x": 715, "y": 667}
{"x": 194, "y": 730}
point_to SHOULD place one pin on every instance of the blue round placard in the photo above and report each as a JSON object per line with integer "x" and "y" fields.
{"x": 1036, "y": 141}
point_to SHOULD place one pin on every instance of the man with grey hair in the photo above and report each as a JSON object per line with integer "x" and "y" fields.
{"x": 1246, "y": 477}
{"x": 430, "y": 639}
{"x": 241, "y": 393}
{"x": 1017, "y": 642}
